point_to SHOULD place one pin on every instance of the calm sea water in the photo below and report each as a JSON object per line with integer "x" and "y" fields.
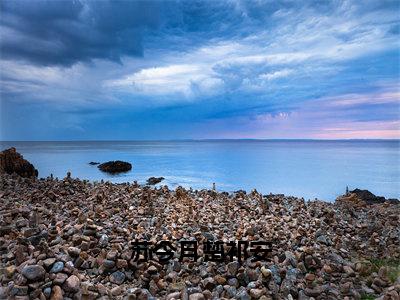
{"x": 309, "y": 169}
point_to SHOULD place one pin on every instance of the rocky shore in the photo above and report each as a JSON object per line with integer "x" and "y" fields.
{"x": 71, "y": 239}
{"x": 13, "y": 162}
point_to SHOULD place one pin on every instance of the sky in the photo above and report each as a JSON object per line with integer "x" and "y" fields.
{"x": 156, "y": 70}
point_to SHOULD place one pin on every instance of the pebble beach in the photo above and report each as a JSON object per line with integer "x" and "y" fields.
{"x": 71, "y": 239}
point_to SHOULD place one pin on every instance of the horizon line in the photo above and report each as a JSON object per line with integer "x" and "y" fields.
{"x": 201, "y": 140}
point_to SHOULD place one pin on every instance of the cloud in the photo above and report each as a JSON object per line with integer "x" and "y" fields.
{"x": 348, "y": 116}
{"x": 172, "y": 79}
{"x": 64, "y": 33}
{"x": 275, "y": 75}
{"x": 311, "y": 45}
{"x": 181, "y": 62}
{"x": 357, "y": 130}
{"x": 391, "y": 96}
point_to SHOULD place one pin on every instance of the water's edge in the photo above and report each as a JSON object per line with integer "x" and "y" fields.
{"x": 304, "y": 168}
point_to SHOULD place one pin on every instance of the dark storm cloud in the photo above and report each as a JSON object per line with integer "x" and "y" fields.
{"x": 66, "y": 32}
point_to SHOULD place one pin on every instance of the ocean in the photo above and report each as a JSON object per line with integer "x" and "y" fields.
{"x": 303, "y": 168}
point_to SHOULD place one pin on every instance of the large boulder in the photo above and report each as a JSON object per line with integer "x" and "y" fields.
{"x": 13, "y": 162}
{"x": 116, "y": 166}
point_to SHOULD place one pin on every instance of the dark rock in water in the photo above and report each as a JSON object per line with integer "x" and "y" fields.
{"x": 13, "y": 162}
{"x": 94, "y": 163}
{"x": 154, "y": 180}
{"x": 364, "y": 197}
{"x": 116, "y": 166}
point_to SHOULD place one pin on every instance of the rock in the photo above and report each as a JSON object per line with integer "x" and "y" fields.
{"x": 74, "y": 251}
{"x": 112, "y": 255}
{"x": 57, "y": 267}
{"x": 60, "y": 278}
{"x": 154, "y": 180}
{"x": 252, "y": 274}
{"x": 256, "y": 293}
{"x": 327, "y": 269}
{"x": 103, "y": 241}
{"x": 242, "y": 294}
{"x": 36, "y": 239}
{"x": 266, "y": 272}
{"x": 233, "y": 282}
{"x": 18, "y": 290}
{"x": 359, "y": 197}
{"x": 220, "y": 279}
{"x": 232, "y": 268}
{"x": 309, "y": 277}
{"x": 288, "y": 285}
{"x": 209, "y": 236}
{"x": 379, "y": 282}
{"x": 121, "y": 264}
{"x": 101, "y": 289}
{"x": 10, "y": 270}
{"x": 290, "y": 258}
{"x": 345, "y": 287}
{"x": 315, "y": 292}
{"x": 152, "y": 270}
{"x": 84, "y": 246}
{"x": 47, "y": 292}
{"x": 3, "y": 292}
{"x": 72, "y": 284}
{"x": 231, "y": 291}
{"x": 208, "y": 283}
{"x": 5, "y": 230}
{"x": 49, "y": 262}
{"x": 13, "y": 162}
{"x": 175, "y": 295}
{"x": 56, "y": 293}
{"x": 21, "y": 223}
{"x": 108, "y": 264}
{"x": 367, "y": 196}
{"x": 34, "y": 272}
{"x": 116, "y": 291}
{"x": 275, "y": 274}
{"x": 382, "y": 273}
{"x": 196, "y": 296}
{"x": 348, "y": 270}
{"x": 392, "y": 295}
{"x": 116, "y": 166}
{"x": 337, "y": 259}
{"x": 117, "y": 277}
{"x": 322, "y": 239}
{"x": 143, "y": 294}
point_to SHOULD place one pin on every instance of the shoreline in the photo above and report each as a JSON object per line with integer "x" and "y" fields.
{"x": 144, "y": 184}
{"x": 269, "y": 170}
{"x": 72, "y": 238}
